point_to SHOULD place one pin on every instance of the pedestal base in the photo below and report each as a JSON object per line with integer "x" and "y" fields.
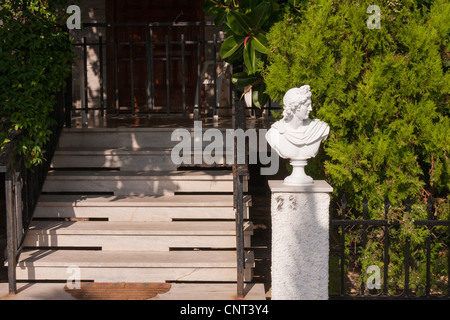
{"x": 300, "y": 241}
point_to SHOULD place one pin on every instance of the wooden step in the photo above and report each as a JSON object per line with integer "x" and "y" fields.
{"x": 128, "y": 137}
{"x": 116, "y": 138}
{"x": 126, "y": 159}
{"x": 123, "y": 158}
{"x": 145, "y": 209}
{"x": 135, "y": 236}
{"x": 100, "y": 266}
{"x": 140, "y": 183}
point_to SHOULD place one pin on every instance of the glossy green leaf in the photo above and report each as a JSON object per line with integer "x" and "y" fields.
{"x": 239, "y": 23}
{"x": 260, "y": 98}
{"x": 260, "y": 15}
{"x": 261, "y": 43}
{"x": 242, "y": 79}
{"x": 230, "y": 46}
{"x": 251, "y": 58}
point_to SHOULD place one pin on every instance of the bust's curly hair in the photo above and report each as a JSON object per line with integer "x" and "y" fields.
{"x": 295, "y": 98}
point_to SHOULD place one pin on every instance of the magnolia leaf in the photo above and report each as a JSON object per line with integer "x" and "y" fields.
{"x": 239, "y": 23}
{"x": 230, "y": 46}
{"x": 261, "y": 43}
{"x": 242, "y": 79}
{"x": 259, "y": 97}
{"x": 251, "y": 58}
{"x": 260, "y": 15}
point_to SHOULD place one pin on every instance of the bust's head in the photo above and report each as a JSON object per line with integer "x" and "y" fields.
{"x": 297, "y": 102}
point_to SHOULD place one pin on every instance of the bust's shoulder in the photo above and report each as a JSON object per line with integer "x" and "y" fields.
{"x": 318, "y": 122}
{"x": 279, "y": 126}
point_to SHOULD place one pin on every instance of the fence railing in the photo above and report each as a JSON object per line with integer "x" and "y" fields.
{"x": 122, "y": 62}
{"x": 373, "y": 259}
{"x": 240, "y": 171}
{"x": 22, "y": 188}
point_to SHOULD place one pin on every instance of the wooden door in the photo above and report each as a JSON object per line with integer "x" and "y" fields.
{"x": 142, "y": 79}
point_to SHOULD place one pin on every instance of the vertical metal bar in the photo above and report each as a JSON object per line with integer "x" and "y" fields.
{"x": 152, "y": 75}
{"x": 364, "y": 234}
{"x": 10, "y": 233}
{"x": 85, "y": 84}
{"x": 147, "y": 60}
{"x": 448, "y": 259}
{"x": 102, "y": 96}
{"x": 239, "y": 204}
{"x": 215, "y": 77}
{"x": 183, "y": 71}
{"x": 428, "y": 262}
{"x": 239, "y": 232}
{"x": 231, "y": 87}
{"x": 342, "y": 267}
{"x": 167, "y": 73}
{"x": 386, "y": 246}
{"x": 199, "y": 86}
{"x": 407, "y": 253}
{"x": 68, "y": 98}
{"x": 448, "y": 262}
{"x": 18, "y": 210}
{"x": 133, "y": 110}
{"x": 116, "y": 74}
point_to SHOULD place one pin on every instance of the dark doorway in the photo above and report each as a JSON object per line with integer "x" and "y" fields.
{"x": 145, "y": 81}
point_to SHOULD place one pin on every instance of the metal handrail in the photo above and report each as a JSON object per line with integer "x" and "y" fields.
{"x": 22, "y": 190}
{"x": 240, "y": 171}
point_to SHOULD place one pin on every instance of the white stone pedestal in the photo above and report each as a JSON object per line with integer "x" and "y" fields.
{"x": 300, "y": 241}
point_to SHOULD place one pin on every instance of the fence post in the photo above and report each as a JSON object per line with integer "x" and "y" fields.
{"x": 11, "y": 232}
{"x": 300, "y": 241}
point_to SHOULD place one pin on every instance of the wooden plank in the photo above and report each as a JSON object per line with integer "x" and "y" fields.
{"x": 125, "y": 208}
{"x": 124, "y": 243}
{"x": 145, "y": 201}
{"x": 178, "y": 228}
{"x": 189, "y": 175}
{"x": 123, "y": 236}
{"x": 113, "y": 274}
{"x": 101, "y": 259}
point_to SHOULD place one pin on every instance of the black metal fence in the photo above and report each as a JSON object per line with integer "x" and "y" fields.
{"x": 22, "y": 188}
{"x": 128, "y": 58}
{"x": 390, "y": 258}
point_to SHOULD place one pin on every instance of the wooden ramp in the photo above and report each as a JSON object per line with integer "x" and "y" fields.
{"x": 107, "y": 217}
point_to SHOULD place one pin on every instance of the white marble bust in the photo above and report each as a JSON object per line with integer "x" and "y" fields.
{"x": 296, "y": 136}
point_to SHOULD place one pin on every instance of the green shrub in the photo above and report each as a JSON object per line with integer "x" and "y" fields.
{"x": 384, "y": 93}
{"x": 35, "y": 60}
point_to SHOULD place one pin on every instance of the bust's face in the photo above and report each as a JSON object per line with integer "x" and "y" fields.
{"x": 303, "y": 111}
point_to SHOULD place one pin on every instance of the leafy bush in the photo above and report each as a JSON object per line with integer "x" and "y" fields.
{"x": 35, "y": 60}
{"x": 385, "y": 94}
